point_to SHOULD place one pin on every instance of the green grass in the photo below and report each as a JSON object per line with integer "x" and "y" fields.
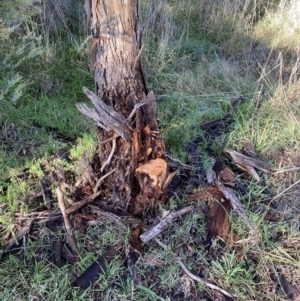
{"x": 199, "y": 56}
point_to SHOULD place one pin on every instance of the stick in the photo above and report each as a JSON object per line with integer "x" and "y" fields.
{"x": 68, "y": 225}
{"x": 236, "y": 205}
{"x": 101, "y": 180}
{"x": 156, "y": 230}
{"x": 190, "y": 274}
{"x": 177, "y": 162}
{"x": 138, "y": 105}
{"x": 76, "y": 206}
{"x": 286, "y": 170}
{"x": 276, "y": 197}
{"x": 107, "y": 162}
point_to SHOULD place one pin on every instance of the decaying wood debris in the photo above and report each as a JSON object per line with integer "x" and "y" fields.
{"x": 156, "y": 230}
{"x": 97, "y": 267}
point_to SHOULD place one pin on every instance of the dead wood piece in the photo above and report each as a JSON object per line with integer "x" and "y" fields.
{"x": 136, "y": 106}
{"x": 113, "y": 148}
{"x": 68, "y": 225}
{"x": 99, "y": 182}
{"x": 235, "y": 203}
{"x": 190, "y": 274}
{"x": 178, "y": 163}
{"x": 223, "y": 172}
{"x": 105, "y": 116}
{"x": 15, "y": 240}
{"x": 98, "y": 267}
{"x": 156, "y": 230}
{"x": 208, "y": 193}
{"x": 152, "y": 174}
{"x": 108, "y": 216}
{"x": 253, "y": 173}
{"x": 218, "y": 223}
{"x": 243, "y": 160}
{"x": 78, "y": 205}
{"x": 46, "y": 193}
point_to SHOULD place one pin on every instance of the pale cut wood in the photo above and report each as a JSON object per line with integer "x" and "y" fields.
{"x": 155, "y": 170}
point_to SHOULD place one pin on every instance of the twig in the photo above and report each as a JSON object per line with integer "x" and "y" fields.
{"x": 177, "y": 162}
{"x": 190, "y": 274}
{"x": 114, "y": 218}
{"x": 77, "y": 205}
{"x": 110, "y": 139}
{"x": 276, "y": 197}
{"x": 107, "y": 162}
{"x": 68, "y": 225}
{"x": 138, "y": 105}
{"x": 286, "y": 170}
{"x": 236, "y": 205}
{"x": 84, "y": 42}
{"x": 101, "y": 179}
{"x": 156, "y": 230}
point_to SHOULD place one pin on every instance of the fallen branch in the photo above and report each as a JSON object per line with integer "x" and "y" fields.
{"x": 243, "y": 160}
{"x": 68, "y": 225}
{"x": 78, "y": 205}
{"x": 156, "y": 230}
{"x": 235, "y": 203}
{"x": 179, "y": 163}
{"x": 190, "y": 274}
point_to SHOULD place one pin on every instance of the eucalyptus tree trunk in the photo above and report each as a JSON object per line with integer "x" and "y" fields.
{"x": 130, "y": 155}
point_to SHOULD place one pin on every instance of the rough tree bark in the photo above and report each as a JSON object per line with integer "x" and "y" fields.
{"x": 129, "y": 147}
